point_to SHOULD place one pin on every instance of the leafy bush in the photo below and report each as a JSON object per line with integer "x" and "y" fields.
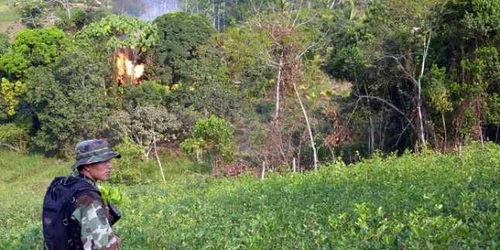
{"x": 13, "y": 136}
{"x": 128, "y": 169}
{"x": 212, "y": 134}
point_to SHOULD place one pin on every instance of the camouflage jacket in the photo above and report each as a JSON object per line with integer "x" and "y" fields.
{"x": 94, "y": 220}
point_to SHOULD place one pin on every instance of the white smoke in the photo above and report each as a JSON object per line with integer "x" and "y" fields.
{"x": 154, "y": 8}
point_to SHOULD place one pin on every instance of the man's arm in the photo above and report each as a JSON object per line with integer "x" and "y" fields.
{"x": 96, "y": 232}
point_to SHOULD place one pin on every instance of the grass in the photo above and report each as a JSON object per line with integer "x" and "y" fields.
{"x": 7, "y": 12}
{"x": 22, "y": 184}
{"x": 426, "y": 201}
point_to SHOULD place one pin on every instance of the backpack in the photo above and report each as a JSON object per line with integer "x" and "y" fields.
{"x": 60, "y": 231}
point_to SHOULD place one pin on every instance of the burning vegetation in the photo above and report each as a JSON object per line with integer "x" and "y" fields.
{"x": 129, "y": 69}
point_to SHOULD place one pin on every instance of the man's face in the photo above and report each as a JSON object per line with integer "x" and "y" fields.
{"x": 100, "y": 171}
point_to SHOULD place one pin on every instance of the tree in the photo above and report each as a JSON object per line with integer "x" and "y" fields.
{"x": 114, "y": 37}
{"x": 289, "y": 42}
{"x": 468, "y": 49}
{"x": 386, "y": 60}
{"x": 119, "y": 31}
{"x": 32, "y": 47}
{"x": 180, "y": 37}
{"x": 33, "y": 13}
{"x": 11, "y": 93}
{"x": 213, "y": 135}
{"x": 439, "y": 96}
{"x": 145, "y": 126}
{"x": 67, "y": 103}
{"x": 13, "y": 136}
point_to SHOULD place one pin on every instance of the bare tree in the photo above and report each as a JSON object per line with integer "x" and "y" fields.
{"x": 285, "y": 55}
{"x": 417, "y": 84}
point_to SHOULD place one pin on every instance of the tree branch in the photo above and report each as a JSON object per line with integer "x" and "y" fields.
{"x": 388, "y": 103}
{"x": 406, "y": 73}
{"x": 10, "y": 146}
{"x": 401, "y": 134}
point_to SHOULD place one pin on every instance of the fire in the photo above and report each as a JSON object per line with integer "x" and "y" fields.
{"x": 126, "y": 70}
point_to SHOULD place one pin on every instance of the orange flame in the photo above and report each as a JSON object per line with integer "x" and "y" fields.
{"x": 126, "y": 70}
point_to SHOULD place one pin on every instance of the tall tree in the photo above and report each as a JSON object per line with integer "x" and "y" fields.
{"x": 289, "y": 40}
{"x": 67, "y": 102}
{"x": 32, "y": 47}
{"x": 181, "y": 35}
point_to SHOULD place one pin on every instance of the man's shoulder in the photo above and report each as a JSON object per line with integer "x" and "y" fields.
{"x": 86, "y": 198}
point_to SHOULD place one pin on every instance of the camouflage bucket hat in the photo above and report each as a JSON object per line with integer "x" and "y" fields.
{"x": 93, "y": 151}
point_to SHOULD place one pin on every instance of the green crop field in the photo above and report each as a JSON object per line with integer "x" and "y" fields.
{"x": 425, "y": 201}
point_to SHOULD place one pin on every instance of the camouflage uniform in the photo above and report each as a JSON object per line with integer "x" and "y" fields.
{"x": 91, "y": 213}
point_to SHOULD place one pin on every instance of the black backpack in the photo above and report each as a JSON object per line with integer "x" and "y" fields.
{"x": 60, "y": 232}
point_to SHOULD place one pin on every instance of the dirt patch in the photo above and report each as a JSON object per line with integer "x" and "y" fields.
{"x": 11, "y": 28}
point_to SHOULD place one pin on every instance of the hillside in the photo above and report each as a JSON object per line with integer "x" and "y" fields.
{"x": 8, "y": 18}
{"x": 427, "y": 201}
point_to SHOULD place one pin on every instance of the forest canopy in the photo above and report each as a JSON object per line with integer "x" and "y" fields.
{"x": 281, "y": 83}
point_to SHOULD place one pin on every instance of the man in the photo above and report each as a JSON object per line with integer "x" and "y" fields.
{"x": 75, "y": 215}
{"x": 93, "y": 163}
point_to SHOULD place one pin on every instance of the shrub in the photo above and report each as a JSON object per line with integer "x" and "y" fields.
{"x": 13, "y": 136}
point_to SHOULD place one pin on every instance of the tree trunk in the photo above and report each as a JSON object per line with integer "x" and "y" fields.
{"x": 263, "y": 170}
{"x": 444, "y": 130}
{"x": 68, "y": 8}
{"x": 315, "y": 155}
{"x": 498, "y": 131}
{"x": 419, "y": 93}
{"x": 158, "y": 160}
{"x": 278, "y": 83}
{"x": 371, "y": 139}
{"x": 481, "y": 136}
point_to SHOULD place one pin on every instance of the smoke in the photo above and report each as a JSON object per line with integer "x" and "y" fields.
{"x": 154, "y": 8}
{"x": 145, "y": 9}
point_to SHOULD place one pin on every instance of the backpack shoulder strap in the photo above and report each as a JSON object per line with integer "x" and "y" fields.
{"x": 79, "y": 187}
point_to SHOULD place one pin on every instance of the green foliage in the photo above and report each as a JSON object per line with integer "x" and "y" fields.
{"x": 79, "y": 18}
{"x": 32, "y": 47}
{"x": 413, "y": 201}
{"x": 468, "y": 28}
{"x": 481, "y": 17}
{"x": 220, "y": 99}
{"x": 194, "y": 146}
{"x": 246, "y": 67}
{"x": 437, "y": 91}
{"x": 13, "y": 136}
{"x": 347, "y": 63}
{"x": 111, "y": 194}
{"x": 147, "y": 93}
{"x": 181, "y": 34}
{"x": 69, "y": 103}
{"x": 29, "y": 175}
{"x": 494, "y": 109}
{"x": 4, "y": 42}
{"x": 144, "y": 126}
{"x": 378, "y": 204}
{"x": 151, "y": 123}
{"x": 32, "y": 13}
{"x": 212, "y": 134}
{"x": 119, "y": 31}
{"x": 7, "y": 12}
{"x": 10, "y": 92}
{"x": 130, "y": 168}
